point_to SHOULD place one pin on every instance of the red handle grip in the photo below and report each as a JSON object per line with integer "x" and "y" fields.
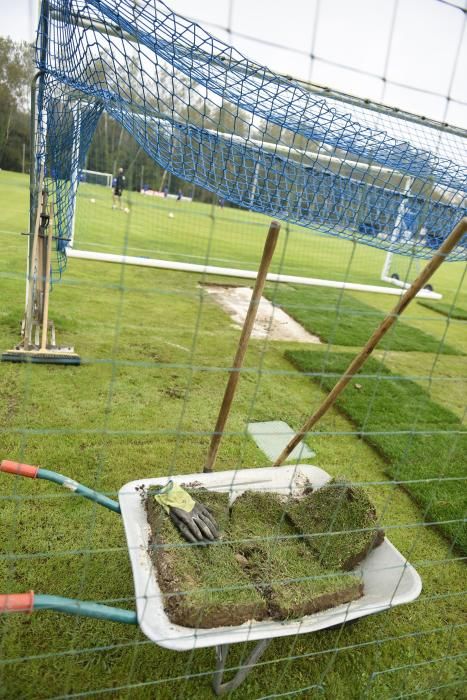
{"x": 17, "y": 602}
{"x": 17, "y": 468}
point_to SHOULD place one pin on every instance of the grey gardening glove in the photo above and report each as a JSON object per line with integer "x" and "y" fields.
{"x": 190, "y": 517}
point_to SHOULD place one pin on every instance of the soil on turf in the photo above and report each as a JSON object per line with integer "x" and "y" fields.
{"x": 284, "y": 569}
{"x": 203, "y": 586}
{"x": 263, "y": 565}
{"x": 339, "y": 524}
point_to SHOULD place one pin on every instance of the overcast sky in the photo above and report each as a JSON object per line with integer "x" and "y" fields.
{"x": 418, "y": 46}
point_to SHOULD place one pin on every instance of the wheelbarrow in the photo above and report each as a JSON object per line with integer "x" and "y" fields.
{"x": 388, "y": 578}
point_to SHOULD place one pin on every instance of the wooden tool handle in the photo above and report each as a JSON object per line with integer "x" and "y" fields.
{"x": 32, "y": 264}
{"x": 48, "y": 260}
{"x": 234, "y": 375}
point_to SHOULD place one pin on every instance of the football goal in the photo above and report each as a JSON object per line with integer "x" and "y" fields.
{"x": 387, "y": 217}
{"x": 253, "y": 204}
{"x": 92, "y": 177}
{"x": 332, "y": 167}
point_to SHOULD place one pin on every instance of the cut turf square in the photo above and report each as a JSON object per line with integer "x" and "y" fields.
{"x": 430, "y": 452}
{"x": 340, "y": 522}
{"x": 341, "y": 319}
{"x": 282, "y": 566}
{"x": 203, "y": 586}
{"x": 444, "y": 309}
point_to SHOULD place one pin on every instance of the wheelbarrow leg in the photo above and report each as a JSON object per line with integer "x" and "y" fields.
{"x": 222, "y": 651}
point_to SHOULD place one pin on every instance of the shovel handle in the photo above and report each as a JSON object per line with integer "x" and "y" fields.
{"x": 17, "y": 602}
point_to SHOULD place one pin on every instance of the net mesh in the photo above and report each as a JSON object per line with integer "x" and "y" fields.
{"x": 209, "y": 115}
{"x": 157, "y": 350}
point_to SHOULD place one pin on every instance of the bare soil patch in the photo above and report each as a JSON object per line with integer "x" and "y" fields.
{"x": 271, "y": 321}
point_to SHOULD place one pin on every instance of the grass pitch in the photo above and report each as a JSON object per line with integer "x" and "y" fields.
{"x": 448, "y": 310}
{"x": 156, "y": 353}
{"x": 340, "y": 318}
{"x": 430, "y": 452}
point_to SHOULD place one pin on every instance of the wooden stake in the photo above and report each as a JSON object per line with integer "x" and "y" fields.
{"x": 45, "y": 312}
{"x": 32, "y": 263}
{"x": 234, "y": 376}
{"x": 449, "y": 244}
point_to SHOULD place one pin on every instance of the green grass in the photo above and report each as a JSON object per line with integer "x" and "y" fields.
{"x": 258, "y": 569}
{"x": 284, "y": 568}
{"x": 431, "y": 444}
{"x": 445, "y": 309}
{"x": 337, "y": 508}
{"x": 203, "y": 586}
{"x": 143, "y": 404}
{"x": 342, "y": 319}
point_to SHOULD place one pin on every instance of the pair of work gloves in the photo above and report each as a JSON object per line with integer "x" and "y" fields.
{"x": 193, "y": 520}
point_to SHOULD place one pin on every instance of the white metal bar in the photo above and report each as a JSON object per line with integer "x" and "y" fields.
{"x": 396, "y": 231}
{"x": 96, "y": 172}
{"x": 233, "y": 272}
{"x": 385, "y": 276}
{"x": 75, "y": 161}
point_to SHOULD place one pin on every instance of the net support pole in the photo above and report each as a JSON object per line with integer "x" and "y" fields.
{"x": 397, "y": 230}
{"x": 449, "y": 244}
{"x": 268, "y": 252}
{"x": 48, "y": 242}
{"x": 37, "y": 119}
{"x": 75, "y": 173}
{"x": 33, "y": 270}
{"x": 34, "y": 192}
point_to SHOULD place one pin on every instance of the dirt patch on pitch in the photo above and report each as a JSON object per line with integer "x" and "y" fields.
{"x": 271, "y": 321}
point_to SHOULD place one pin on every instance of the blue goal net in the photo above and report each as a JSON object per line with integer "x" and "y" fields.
{"x": 213, "y": 117}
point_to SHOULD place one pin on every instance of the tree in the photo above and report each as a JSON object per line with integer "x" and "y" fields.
{"x": 16, "y": 70}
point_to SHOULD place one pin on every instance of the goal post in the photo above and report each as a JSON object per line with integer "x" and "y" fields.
{"x": 93, "y": 177}
{"x": 343, "y": 166}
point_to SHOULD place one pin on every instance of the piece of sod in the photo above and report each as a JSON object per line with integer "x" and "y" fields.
{"x": 204, "y": 586}
{"x": 284, "y": 569}
{"x": 339, "y": 522}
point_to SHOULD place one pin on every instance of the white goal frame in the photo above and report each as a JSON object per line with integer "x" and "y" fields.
{"x": 324, "y": 154}
{"x": 108, "y": 177}
{"x": 329, "y": 160}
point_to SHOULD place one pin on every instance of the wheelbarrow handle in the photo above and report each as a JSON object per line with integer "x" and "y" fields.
{"x": 19, "y": 469}
{"x": 33, "y": 472}
{"x": 27, "y": 602}
{"x": 17, "y": 602}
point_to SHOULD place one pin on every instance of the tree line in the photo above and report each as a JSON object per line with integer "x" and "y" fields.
{"x": 112, "y": 146}
{"x": 16, "y": 71}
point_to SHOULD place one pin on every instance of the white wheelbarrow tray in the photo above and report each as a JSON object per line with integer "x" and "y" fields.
{"x": 388, "y": 578}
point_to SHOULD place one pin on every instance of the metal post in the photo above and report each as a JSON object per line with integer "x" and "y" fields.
{"x": 37, "y": 89}
{"x": 34, "y": 204}
{"x": 396, "y": 231}
{"x": 74, "y": 176}
{"x": 221, "y": 657}
{"x": 254, "y": 185}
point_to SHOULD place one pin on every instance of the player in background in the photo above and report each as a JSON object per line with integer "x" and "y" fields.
{"x": 119, "y": 184}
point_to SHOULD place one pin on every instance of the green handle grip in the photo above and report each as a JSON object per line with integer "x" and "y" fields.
{"x": 27, "y": 602}
{"x": 37, "y": 473}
